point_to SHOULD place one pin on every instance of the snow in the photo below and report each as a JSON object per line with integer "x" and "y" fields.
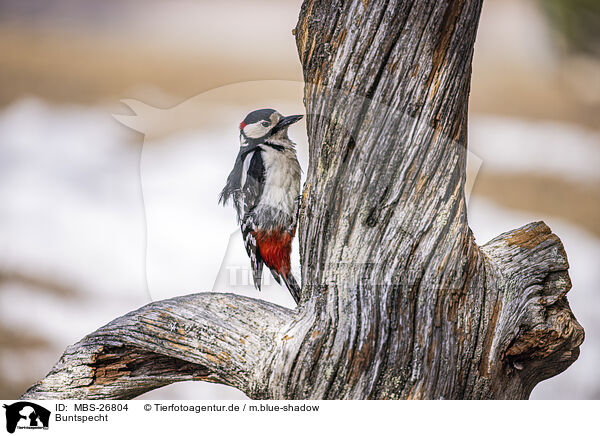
{"x": 536, "y": 147}
{"x": 69, "y": 197}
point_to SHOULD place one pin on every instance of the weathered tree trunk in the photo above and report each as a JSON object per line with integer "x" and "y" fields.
{"x": 398, "y": 300}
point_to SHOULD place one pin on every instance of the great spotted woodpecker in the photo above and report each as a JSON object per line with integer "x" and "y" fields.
{"x": 265, "y": 187}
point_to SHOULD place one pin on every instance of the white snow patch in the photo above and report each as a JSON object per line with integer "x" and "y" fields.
{"x": 544, "y": 148}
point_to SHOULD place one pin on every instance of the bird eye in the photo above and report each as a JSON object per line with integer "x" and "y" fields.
{"x": 265, "y": 124}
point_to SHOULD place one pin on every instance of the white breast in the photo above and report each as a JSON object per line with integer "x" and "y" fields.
{"x": 282, "y": 179}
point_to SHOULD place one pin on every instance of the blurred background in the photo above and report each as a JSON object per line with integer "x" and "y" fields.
{"x": 118, "y": 126}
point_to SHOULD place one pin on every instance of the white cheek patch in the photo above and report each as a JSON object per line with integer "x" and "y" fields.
{"x": 255, "y": 130}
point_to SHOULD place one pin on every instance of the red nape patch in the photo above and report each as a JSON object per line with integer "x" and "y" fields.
{"x": 242, "y": 125}
{"x": 275, "y": 249}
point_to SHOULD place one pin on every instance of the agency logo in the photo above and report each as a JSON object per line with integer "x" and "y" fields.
{"x": 26, "y": 415}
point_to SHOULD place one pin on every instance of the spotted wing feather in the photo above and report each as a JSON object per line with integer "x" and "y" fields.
{"x": 256, "y": 262}
{"x": 253, "y": 180}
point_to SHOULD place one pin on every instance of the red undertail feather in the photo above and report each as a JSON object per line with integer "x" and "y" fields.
{"x": 275, "y": 248}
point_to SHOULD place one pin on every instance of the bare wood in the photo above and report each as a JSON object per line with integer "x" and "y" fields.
{"x": 220, "y": 338}
{"x": 398, "y": 299}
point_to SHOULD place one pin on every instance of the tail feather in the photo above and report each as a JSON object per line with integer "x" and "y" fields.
{"x": 292, "y": 286}
{"x": 276, "y": 276}
{"x": 257, "y": 267}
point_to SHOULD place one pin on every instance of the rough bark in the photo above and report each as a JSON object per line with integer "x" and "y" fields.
{"x": 220, "y": 338}
{"x": 398, "y": 300}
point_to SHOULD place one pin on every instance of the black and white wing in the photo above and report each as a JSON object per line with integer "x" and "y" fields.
{"x": 238, "y": 177}
{"x": 245, "y": 186}
{"x": 256, "y": 262}
{"x": 253, "y": 181}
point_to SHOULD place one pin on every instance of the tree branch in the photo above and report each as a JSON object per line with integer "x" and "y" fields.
{"x": 221, "y": 338}
{"x": 536, "y": 336}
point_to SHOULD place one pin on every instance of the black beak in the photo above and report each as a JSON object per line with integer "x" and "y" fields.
{"x": 286, "y": 121}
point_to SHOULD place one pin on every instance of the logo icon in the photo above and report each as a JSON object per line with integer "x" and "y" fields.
{"x": 26, "y": 415}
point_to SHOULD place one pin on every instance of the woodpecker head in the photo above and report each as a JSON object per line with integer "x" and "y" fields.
{"x": 263, "y": 124}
